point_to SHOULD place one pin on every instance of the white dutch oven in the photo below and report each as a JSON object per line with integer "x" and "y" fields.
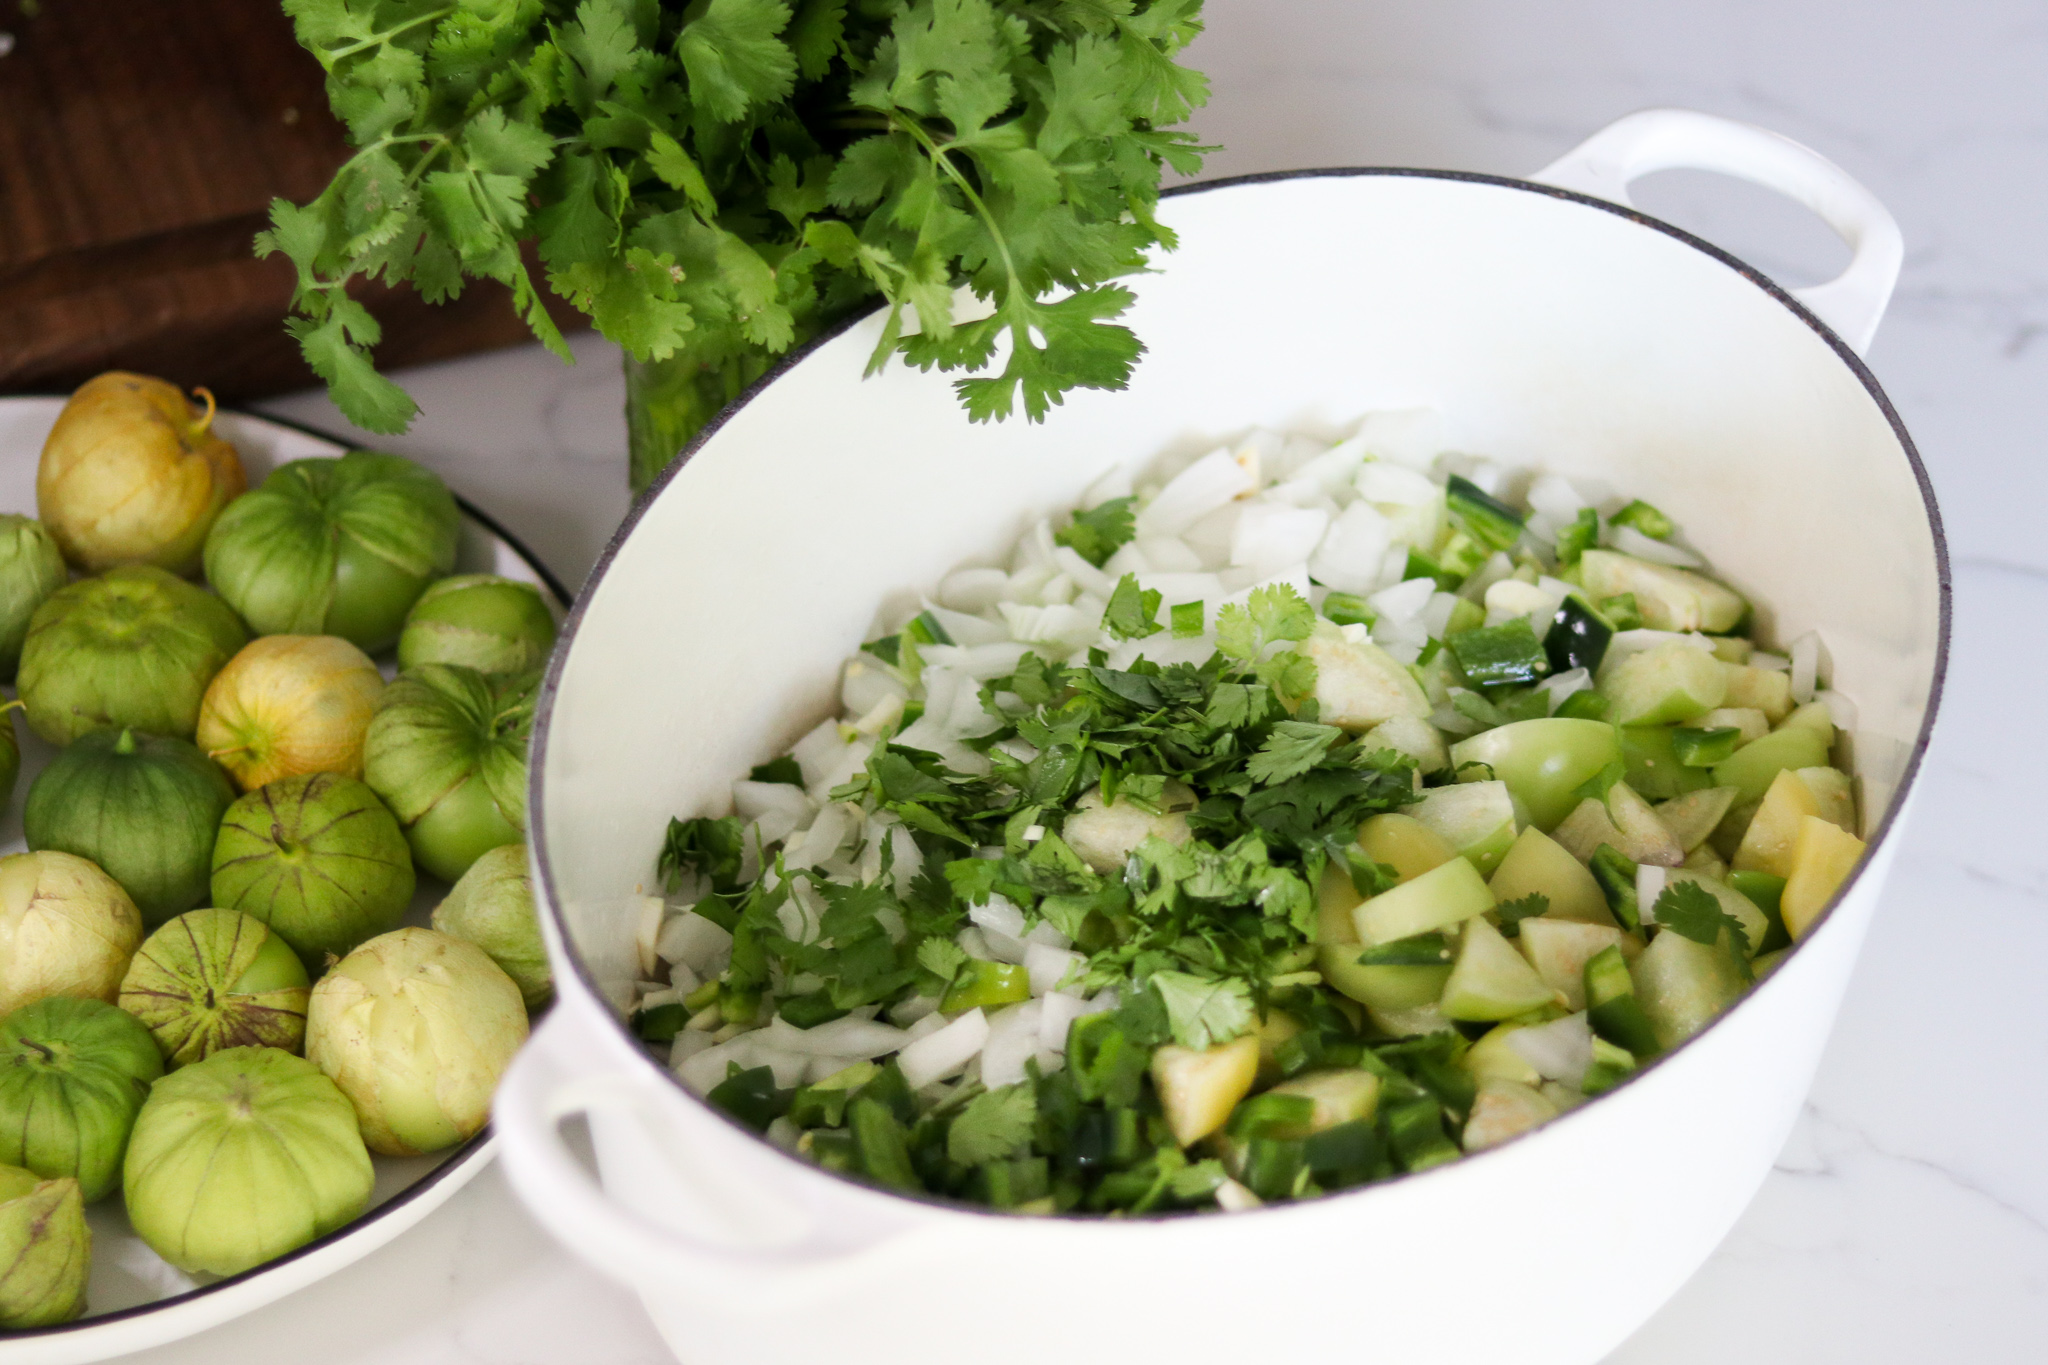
{"x": 1553, "y": 329}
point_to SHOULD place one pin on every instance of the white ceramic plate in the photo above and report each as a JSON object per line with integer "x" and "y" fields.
{"x": 135, "y": 1299}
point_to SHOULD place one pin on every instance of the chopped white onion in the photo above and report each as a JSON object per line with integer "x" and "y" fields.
{"x": 1012, "y": 1041}
{"x": 1412, "y": 436}
{"x": 1630, "y": 541}
{"x": 1404, "y": 601}
{"x": 970, "y": 630}
{"x": 1049, "y": 966}
{"x": 1650, "y": 880}
{"x": 1561, "y": 685}
{"x": 1232, "y": 1197}
{"x": 1560, "y": 1050}
{"x": 1269, "y": 536}
{"x": 1554, "y": 496}
{"x": 1805, "y": 667}
{"x": 827, "y": 832}
{"x": 1090, "y": 578}
{"x": 1840, "y": 709}
{"x": 866, "y": 681}
{"x": 1060, "y": 1011}
{"x": 1114, "y": 483}
{"x": 1775, "y": 663}
{"x": 851, "y": 1036}
{"x": 1207, "y": 484}
{"x": 972, "y": 590}
{"x": 1043, "y": 931}
{"x": 1436, "y": 617}
{"x": 1169, "y": 554}
{"x": 941, "y": 1054}
{"x": 696, "y": 942}
{"x": 647, "y": 929}
{"x": 1354, "y": 550}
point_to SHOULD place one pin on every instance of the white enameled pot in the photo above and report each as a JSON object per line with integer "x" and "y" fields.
{"x": 1554, "y": 328}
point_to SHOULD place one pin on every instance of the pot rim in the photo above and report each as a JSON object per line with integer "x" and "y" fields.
{"x": 551, "y": 681}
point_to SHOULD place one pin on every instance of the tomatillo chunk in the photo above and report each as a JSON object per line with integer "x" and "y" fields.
{"x": 447, "y": 751}
{"x": 145, "y": 808}
{"x": 242, "y": 1157}
{"x": 335, "y": 547}
{"x": 416, "y": 1027}
{"x": 1543, "y": 762}
{"x": 318, "y": 858}
{"x": 135, "y": 647}
{"x": 31, "y": 568}
{"x": 215, "y": 979}
{"x": 73, "y": 1075}
{"x": 494, "y": 625}
{"x": 45, "y": 1247}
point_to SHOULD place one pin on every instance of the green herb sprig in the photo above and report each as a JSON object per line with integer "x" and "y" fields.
{"x": 725, "y": 178}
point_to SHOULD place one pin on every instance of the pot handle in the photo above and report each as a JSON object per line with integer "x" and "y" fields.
{"x": 1682, "y": 139}
{"x": 767, "y": 1253}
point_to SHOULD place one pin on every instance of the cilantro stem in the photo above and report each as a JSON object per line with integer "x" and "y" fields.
{"x": 944, "y": 162}
{"x": 339, "y": 54}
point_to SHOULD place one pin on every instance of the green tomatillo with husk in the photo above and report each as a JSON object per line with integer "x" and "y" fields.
{"x": 66, "y": 928}
{"x": 335, "y": 547}
{"x": 290, "y": 704}
{"x": 215, "y": 979}
{"x": 135, "y": 646}
{"x": 45, "y": 1250}
{"x": 318, "y": 858}
{"x": 242, "y": 1157}
{"x": 10, "y": 752}
{"x": 492, "y": 907}
{"x": 145, "y": 808}
{"x": 31, "y": 568}
{"x": 494, "y": 625}
{"x": 447, "y": 752}
{"x": 73, "y": 1075}
{"x": 416, "y": 1027}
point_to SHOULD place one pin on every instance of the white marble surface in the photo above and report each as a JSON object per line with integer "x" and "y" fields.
{"x": 1908, "y": 1218}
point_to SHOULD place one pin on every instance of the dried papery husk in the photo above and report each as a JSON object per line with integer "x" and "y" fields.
{"x": 287, "y": 705}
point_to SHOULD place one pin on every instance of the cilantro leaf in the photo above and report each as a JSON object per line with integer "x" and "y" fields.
{"x": 1132, "y": 614}
{"x": 1203, "y": 1013}
{"x": 994, "y": 1125}
{"x": 778, "y": 165}
{"x": 1291, "y": 749}
{"x": 1513, "y": 912}
{"x": 711, "y": 849}
{"x": 1101, "y": 531}
{"x": 1691, "y": 911}
{"x": 1273, "y": 614}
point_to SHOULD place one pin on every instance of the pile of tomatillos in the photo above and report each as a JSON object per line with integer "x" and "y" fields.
{"x": 208, "y": 1005}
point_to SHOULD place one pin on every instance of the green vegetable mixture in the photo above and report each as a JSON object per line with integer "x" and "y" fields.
{"x": 1310, "y": 816}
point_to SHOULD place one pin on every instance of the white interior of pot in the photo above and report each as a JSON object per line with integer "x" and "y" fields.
{"x": 1550, "y": 334}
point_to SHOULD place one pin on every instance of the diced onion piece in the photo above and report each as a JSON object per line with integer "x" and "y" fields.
{"x": 1775, "y": 663}
{"x": 1354, "y": 550}
{"x": 1560, "y": 1050}
{"x": 1207, "y": 484}
{"x": 1232, "y": 1197}
{"x": 1555, "y": 496}
{"x": 1841, "y": 710}
{"x": 1270, "y": 536}
{"x": 942, "y": 1054}
{"x": 1630, "y": 541}
{"x": 1413, "y": 436}
{"x": 691, "y": 940}
{"x": 1404, "y": 601}
{"x": 970, "y": 630}
{"x": 1060, "y": 1010}
{"x": 1650, "y": 879}
{"x": 851, "y": 1036}
{"x": 1082, "y": 572}
{"x": 1805, "y": 667}
{"x": 646, "y": 930}
{"x": 1049, "y": 966}
{"x": 972, "y": 590}
{"x": 1012, "y": 1041}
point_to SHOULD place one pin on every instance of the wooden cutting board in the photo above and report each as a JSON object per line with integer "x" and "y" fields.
{"x": 141, "y": 142}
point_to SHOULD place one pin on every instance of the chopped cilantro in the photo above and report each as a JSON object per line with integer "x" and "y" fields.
{"x": 1690, "y": 910}
{"x": 782, "y": 769}
{"x": 1101, "y": 531}
{"x": 1189, "y": 620}
{"x": 1513, "y": 912}
{"x": 994, "y": 1125}
{"x": 1132, "y": 614}
{"x": 1204, "y": 1012}
{"x": 711, "y": 849}
{"x": 1291, "y": 749}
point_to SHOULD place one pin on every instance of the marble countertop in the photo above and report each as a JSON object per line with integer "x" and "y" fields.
{"x": 1907, "y": 1219}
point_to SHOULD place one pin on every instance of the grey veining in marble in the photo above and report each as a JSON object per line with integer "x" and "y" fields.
{"x": 1908, "y": 1218}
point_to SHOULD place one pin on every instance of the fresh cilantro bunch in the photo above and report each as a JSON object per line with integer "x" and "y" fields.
{"x": 715, "y": 182}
